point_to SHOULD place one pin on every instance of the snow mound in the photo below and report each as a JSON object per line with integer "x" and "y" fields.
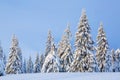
{"x": 63, "y": 76}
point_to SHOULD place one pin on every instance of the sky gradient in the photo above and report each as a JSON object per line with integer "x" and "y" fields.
{"x": 30, "y": 21}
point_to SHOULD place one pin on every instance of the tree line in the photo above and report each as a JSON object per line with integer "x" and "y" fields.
{"x": 84, "y": 58}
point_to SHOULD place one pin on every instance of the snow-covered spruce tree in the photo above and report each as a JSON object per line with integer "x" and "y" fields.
{"x": 113, "y": 60}
{"x": 14, "y": 63}
{"x": 83, "y": 46}
{"x": 2, "y": 65}
{"x": 41, "y": 61}
{"x": 2, "y": 71}
{"x": 117, "y": 53}
{"x": 92, "y": 65}
{"x": 29, "y": 65}
{"x": 48, "y": 43}
{"x": 4, "y": 60}
{"x": 64, "y": 50}
{"x": 24, "y": 66}
{"x": 102, "y": 49}
{"x": 108, "y": 64}
{"x": 51, "y": 63}
{"x": 37, "y": 64}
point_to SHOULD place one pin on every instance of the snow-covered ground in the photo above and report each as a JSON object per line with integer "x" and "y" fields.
{"x": 63, "y": 76}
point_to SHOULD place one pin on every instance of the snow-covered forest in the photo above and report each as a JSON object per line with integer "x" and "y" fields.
{"x": 83, "y": 56}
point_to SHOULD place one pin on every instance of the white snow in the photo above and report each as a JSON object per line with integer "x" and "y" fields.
{"x": 63, "y": 76}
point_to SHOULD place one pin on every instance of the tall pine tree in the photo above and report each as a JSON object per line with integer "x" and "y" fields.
{"x": 14, "y": 64}
{"x": 37, "y": 64}
{"x": 108, "y": 62}
{"x": 24, "y": 66}
{"x": 65, "y": 51}
{"x": 102, "y": 49}
{"x": 29, "y": 65}
{"x": 117, "y": 53}
{"x": 51, "y": 63}
{"x": 92, "y": 65}
{"x": 41, "y": 61}
{"x": 114, "y": 67}
{"x": 2, "y": 64}
{"x": 48, "y": 43}
{"x": 83, "y": 46}
{"x": 4, "y": 60}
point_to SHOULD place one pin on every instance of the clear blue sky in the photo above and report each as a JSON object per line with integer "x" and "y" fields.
{"x": 30, "y": 20}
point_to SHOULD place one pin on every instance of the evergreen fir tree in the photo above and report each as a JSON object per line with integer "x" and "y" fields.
{"x": 37, "y": 64}
{"x": 108, "y": 64}
{"x": 14, "y": 64}
{"x": 4, "y": 60}
{"x": 41, "y": 61}
{"x": 29, "y": 65}
{"x": 48, "y": 43}
{"x": 51, "y": 63}
{"x": 64, "y": 50}
{"x": 117, "y": 53}
{"x": 102, "y": 49}
{"x": 113, "y": 60}
{"x": 83, "y": 45}
{"x": 1, "y": 68}
{"x": 24, "y": 66}
{"x": 2, "y": 65}
{"x": 92, "y": 65}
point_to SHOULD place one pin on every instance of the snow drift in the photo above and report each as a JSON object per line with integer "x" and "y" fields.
{"x": 63, "y": 76}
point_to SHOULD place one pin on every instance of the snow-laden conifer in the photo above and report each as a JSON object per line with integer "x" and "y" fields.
{"x": 113, "y": 60}
{"x": 51, "y": 63}
{"x": 108, "y": 64}
{"x": 4, "y": 60}
{"x": 42, "y": 58}
{"x": 65, "y": 50}
{"x": 37, "y": 66}
{"x": 29, "y": 65}
{"x": 48, "y": 43}
{"x": 117, "y": 53}
{"x": 102, "y": 49}
{"x": 92, "y": 65}
{"x": 24, "y": 66}
{"x": 2, "y": 65}
{"x": 14, "y": 63}
{"x": 83, "y": 46}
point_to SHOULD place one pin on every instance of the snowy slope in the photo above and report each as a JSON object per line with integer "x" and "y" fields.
{"x": 63, "y": 76}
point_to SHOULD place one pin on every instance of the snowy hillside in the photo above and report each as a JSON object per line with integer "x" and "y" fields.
{"x": 63, "y": 76}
